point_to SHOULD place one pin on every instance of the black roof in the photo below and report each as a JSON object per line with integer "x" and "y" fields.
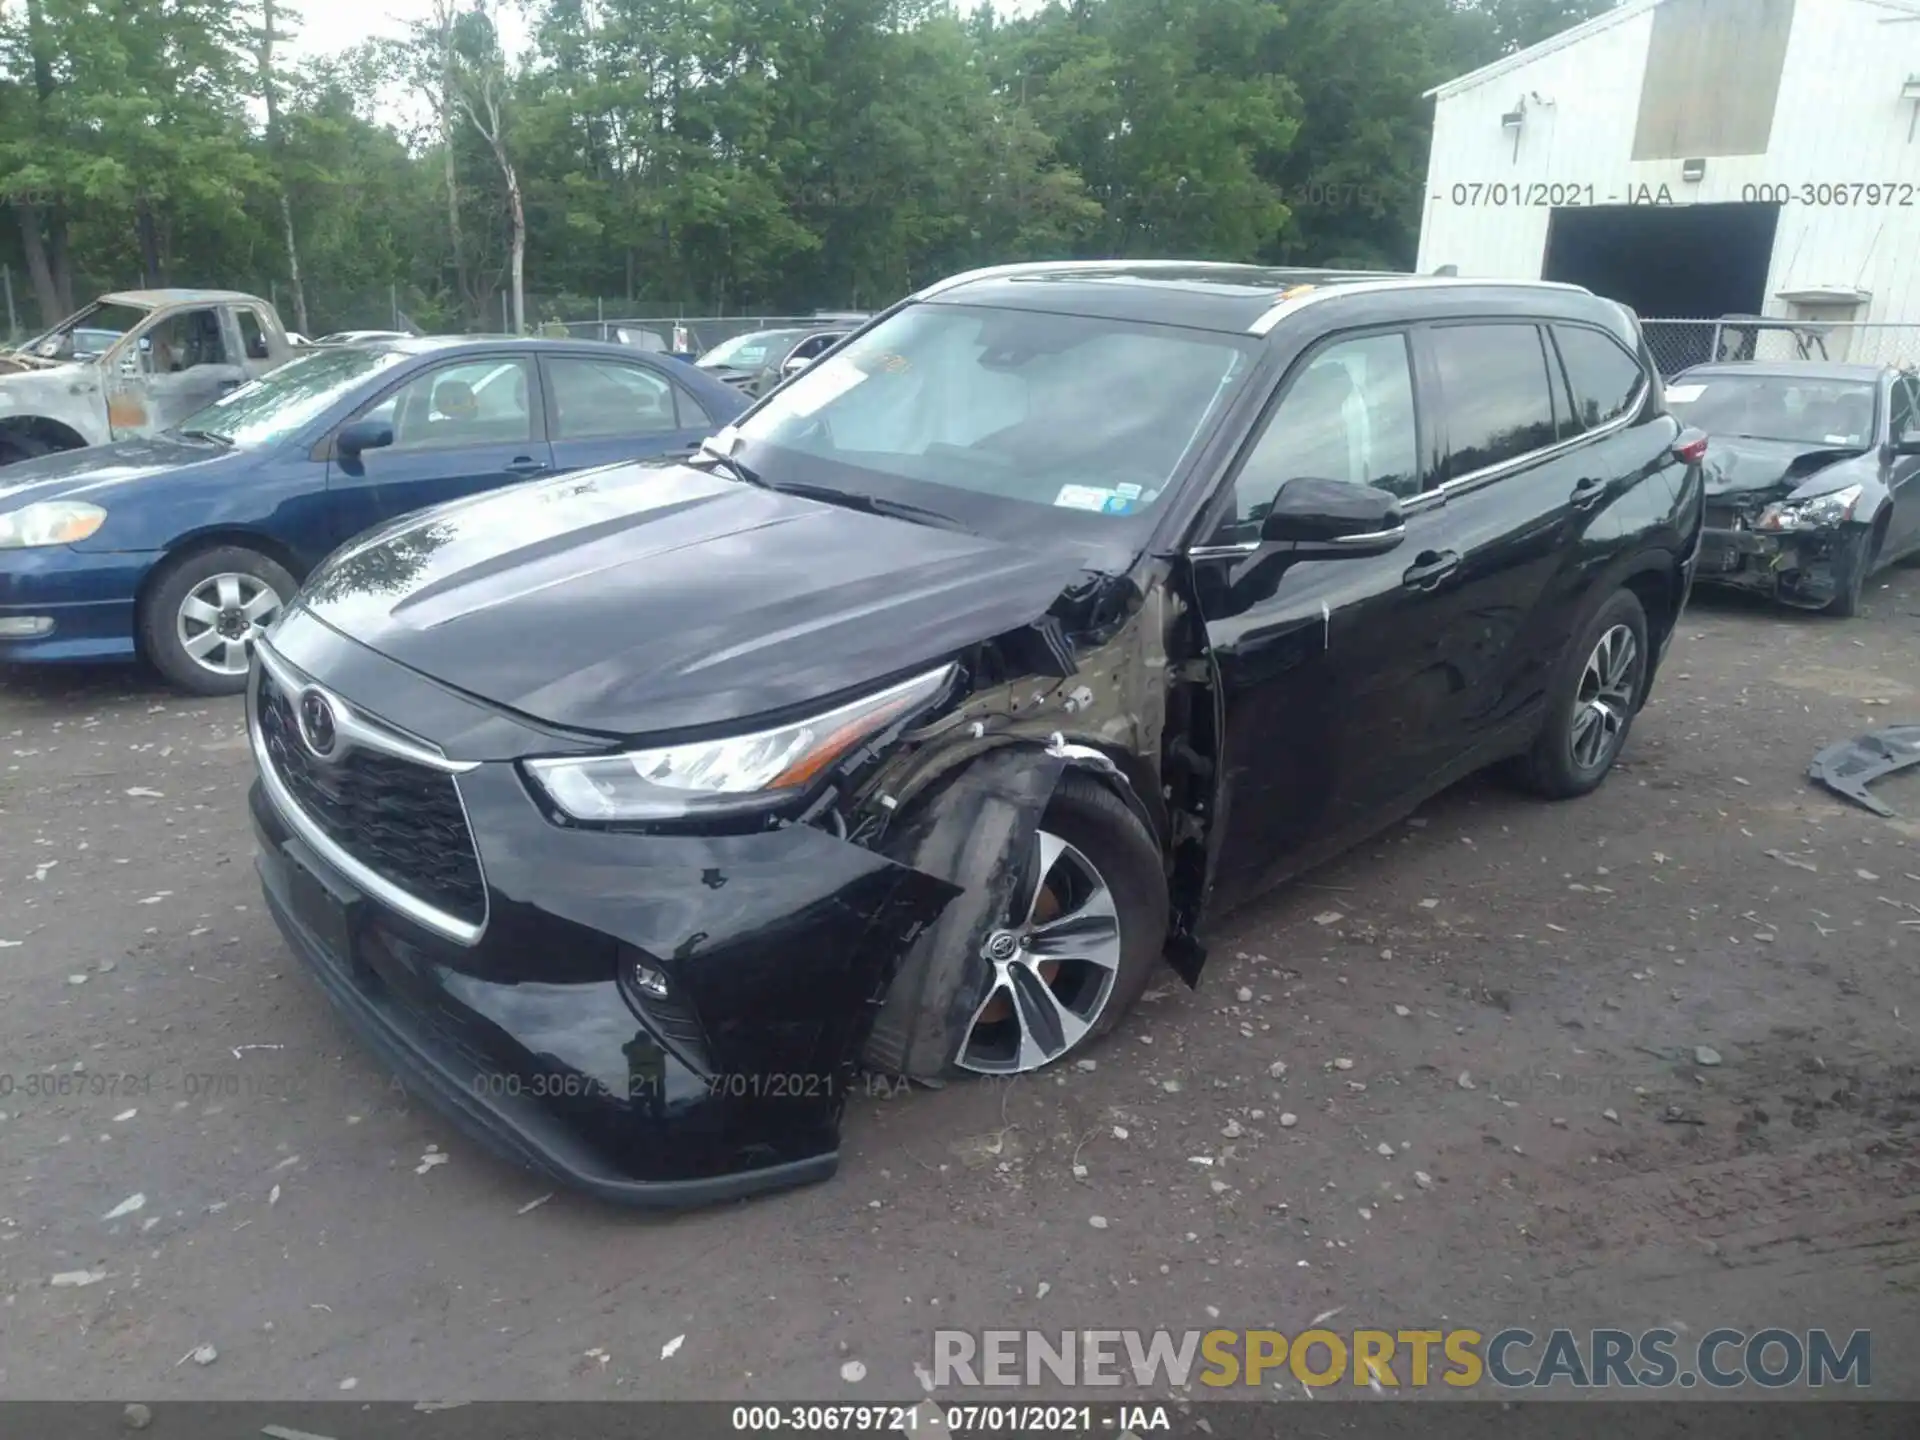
{"x": 1199, "y": 294}
{"x": 1793, "y": 369}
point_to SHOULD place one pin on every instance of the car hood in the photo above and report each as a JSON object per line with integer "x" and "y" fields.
{"x": 96, "y": 472}
{"x": 1737, "y": 466}
{"x": 645, "y": 598}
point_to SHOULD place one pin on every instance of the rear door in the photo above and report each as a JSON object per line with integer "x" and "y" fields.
{"x": 459, "y": 428}
{"x": 1517, "y": 485}
{"x": 602, "y": 409}
{"x": 1312, "y": 653}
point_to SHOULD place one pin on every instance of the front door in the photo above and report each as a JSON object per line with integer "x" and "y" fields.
{"x": 458, "y": 429}
{"x": 1903, "y": 471}
{"x": 602, "y": 410}
{"x": 174, "y": 365}
{"x": 1315, "y": 656}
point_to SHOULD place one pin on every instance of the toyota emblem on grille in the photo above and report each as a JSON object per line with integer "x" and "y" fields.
{"x": 317, "y": 726}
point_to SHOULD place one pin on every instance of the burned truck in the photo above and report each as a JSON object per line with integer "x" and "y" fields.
{"x": 130, "y": 364}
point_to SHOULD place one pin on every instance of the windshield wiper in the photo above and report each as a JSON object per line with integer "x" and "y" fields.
{"x": 213, "y": 435}
{"x": 740, "y": 470}
{"x": 872, "y": 504}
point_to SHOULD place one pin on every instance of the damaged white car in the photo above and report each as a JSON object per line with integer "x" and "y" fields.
{"x": 131, "y": 364}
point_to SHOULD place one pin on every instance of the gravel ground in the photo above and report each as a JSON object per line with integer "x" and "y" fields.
{"x": 1453, "y": 1080}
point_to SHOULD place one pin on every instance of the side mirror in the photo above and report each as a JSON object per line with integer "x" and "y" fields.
{"x": 1326, "y": 518}
{"x": 362, "y": 435}
{"x": 795, "y": 366}
{"x": 1907, "y": 444}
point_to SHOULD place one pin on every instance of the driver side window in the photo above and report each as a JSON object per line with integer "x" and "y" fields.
{"x": 1347, "y": 415}
{"x": 480, "y": 402}
{"x": 183, "y": 340}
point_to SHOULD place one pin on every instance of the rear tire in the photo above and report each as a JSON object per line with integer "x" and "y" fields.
{"x": 202, "y": 614}
{"x": 1595, "y": 693}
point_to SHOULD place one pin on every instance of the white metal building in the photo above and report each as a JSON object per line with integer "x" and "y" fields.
{"x": 1695, "y": 158}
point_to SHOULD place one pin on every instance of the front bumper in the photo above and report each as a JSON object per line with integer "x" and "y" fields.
{"x": 1806, "y": 568}
{"x": 88, "y": 595}
{"x": 537, "y": 1039}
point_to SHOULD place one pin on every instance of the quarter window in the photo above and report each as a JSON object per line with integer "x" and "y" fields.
{"x": 1347, "y": 416}
{"x": 253, "y": 336}
{"x": 1604, "y": 377}
{"x": 1493, "y": 382}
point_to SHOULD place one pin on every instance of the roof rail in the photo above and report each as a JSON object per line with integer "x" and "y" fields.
{"x": 1307, "y": 295}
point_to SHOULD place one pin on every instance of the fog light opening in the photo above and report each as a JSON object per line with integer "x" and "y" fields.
{"x": 25, "y": 627}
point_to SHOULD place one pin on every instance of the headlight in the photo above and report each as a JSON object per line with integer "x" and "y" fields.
{"x": 51, "y": 522}
{"x": 1817, "y": 512}
{"x": 734, "y": 773}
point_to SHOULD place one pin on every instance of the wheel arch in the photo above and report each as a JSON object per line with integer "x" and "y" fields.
{"x": 197, "y": 542}
{"x": 55, "y": 434}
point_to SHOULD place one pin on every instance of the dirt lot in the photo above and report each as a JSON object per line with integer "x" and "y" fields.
{"x": 1491, "y": 1110}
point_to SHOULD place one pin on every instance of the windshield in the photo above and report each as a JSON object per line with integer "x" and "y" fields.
{"x": 280, "y": 402}
{"x": 1061, "y": 411}
{"x": 87, "y": 334}
{"x": 1805, "y": 410}
{"x": 748, "y": 351}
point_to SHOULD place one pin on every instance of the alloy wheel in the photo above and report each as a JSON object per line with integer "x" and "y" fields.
{"x": 1605, "y": 701}
{"x": 220, "y": 619}
{"x": 1054, "y": 965}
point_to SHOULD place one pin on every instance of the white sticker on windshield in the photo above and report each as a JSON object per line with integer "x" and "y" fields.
{"x": 1131, "y": 492}
{"x": 1083, "y": 497}
{"x": 820, "y": 384}
{"x": 1841, "y": 439}
{"x": 1681, "y": 394}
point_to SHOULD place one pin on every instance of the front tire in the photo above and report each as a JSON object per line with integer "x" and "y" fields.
{"x": 1866, "y": 553}
{"x": 1064, "y": 959}
{"x": 200, "y": 619}
{"x": 1596, "y": 691}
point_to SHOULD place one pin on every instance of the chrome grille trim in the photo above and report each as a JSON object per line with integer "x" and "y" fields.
{"x": 373, "y": 737}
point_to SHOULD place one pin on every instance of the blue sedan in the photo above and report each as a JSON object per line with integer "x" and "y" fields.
{"x": 181, "y": 548}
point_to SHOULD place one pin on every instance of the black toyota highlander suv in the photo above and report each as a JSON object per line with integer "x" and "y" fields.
{"x": 911, "y": 725}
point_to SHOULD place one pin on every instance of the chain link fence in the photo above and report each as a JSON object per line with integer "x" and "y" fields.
{"x": 1677, "y": 344}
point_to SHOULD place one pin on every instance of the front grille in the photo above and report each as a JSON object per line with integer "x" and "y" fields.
{"x": 400, "y": 819}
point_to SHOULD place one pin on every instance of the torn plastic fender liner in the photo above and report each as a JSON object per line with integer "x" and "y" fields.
{"x": 1850, "y": 766}
{"x": 974, "y": 833}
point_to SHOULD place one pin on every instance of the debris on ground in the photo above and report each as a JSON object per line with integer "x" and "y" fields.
{"x": 282, "y": 1432}
{"x": 1850, "y": 766}
{"x": 200, "y": 1355}
{"x": 136, "y": 1417}
{"x": 126, "y": 1207}
{"x": 1329, "y": 917}
{"x": 1098, "y": 1222}
{"x": 1613, "y": 1115}
{"x": 1465, "y": 1082}
{"x": 1706, "y": 1055}
{"x": 534, "y": 1204}
{"x": 69, "y": 1278}
{"x": 672, "y": 1347}
{"x": 853, "y": 1372}
{"x": 1288, "y": 1120}
{"x": 434, "y": 1156}
{"x": 1786, "y": 859}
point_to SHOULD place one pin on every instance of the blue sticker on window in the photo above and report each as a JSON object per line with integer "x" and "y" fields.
{"x": 1118, "y": 505}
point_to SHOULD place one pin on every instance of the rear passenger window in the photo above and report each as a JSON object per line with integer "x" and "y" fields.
{"x": 1605, "y": 378}
{"x": 1347, "y": 416}
{"x": 1493, "y": 382}
{"x": 1903, "y": 418}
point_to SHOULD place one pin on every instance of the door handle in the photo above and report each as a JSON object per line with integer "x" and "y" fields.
{"x": 1429, "y": 568}
{"x": 1588, "y": 492}
{"x": 526, "y": 465}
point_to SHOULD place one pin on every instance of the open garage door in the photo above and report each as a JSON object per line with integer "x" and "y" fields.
{"x": 1679, "y": 261}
